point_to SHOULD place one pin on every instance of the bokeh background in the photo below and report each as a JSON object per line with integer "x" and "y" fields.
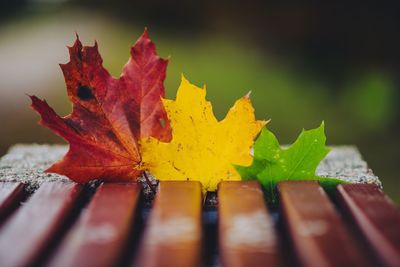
{"x": 305, "y": 61}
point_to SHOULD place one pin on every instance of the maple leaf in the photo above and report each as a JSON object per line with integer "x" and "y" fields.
{"x": 272, "y": 164}
{"x": 202, "y": 148}
{"x": 109, "y": 114}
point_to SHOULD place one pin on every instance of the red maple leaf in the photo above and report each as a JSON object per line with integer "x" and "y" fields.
{"x": 109, "y": 114}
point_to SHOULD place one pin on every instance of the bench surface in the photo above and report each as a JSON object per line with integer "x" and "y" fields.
{"x": 60, "y": 223}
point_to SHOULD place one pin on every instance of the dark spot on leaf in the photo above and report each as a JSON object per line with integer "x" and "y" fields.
{"x": 85, "y": 93}
{"x": 162, "y": 122}
{"x": 112, "y": 136}
{"x": 74, "y": 125}
{"x": 80, "y": 55}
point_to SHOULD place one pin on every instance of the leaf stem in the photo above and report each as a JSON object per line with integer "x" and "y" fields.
{"x": 149, "y": 183}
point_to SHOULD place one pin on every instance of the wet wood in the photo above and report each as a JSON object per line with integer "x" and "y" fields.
{"x": 99, "y": 236}
{"x": 11, "y": 193}
{"x": 246, "y": 230}
{"x": 28, "y": 232}
{"x": 173, "y": 235}
{"x": 377, "y": 218}
{"x": 319, "y": 236}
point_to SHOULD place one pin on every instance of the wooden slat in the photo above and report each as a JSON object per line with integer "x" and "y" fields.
{"x": 376, "y": 216}
{"x": 319, "y": 236}
{"x": 31, "y": 229}
{"x": 11, "y": 193}
{"x": 173, "y": 235}
{"x": 99, "y": 236}
{"x": 246, "y": 230}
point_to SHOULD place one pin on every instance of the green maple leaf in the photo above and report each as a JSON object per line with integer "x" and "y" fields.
{"x": 272, "y": 163}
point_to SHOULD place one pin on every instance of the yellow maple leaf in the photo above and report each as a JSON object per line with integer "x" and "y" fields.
{"x": 202, "y": 148}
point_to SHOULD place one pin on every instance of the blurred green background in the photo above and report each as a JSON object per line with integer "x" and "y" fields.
{"x": 304, "y": 62}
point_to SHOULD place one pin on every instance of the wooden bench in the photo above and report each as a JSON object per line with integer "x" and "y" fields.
{"x": 60, "y": 223}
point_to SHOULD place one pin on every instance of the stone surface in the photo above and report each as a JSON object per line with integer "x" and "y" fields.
{"x": 346, "y": 163}
{"x": 26, "y": 163}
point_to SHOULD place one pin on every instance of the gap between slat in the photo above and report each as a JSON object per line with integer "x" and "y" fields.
{"x": 376, "y": 219}
{"x": 173, "y": 234}
{"x": 247, "y": 235}
{"x": 319, "y": 236}
{"x": 11, "y": 196}
{"x": 37, "y": 225}
{"x": 100, "y": 235}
